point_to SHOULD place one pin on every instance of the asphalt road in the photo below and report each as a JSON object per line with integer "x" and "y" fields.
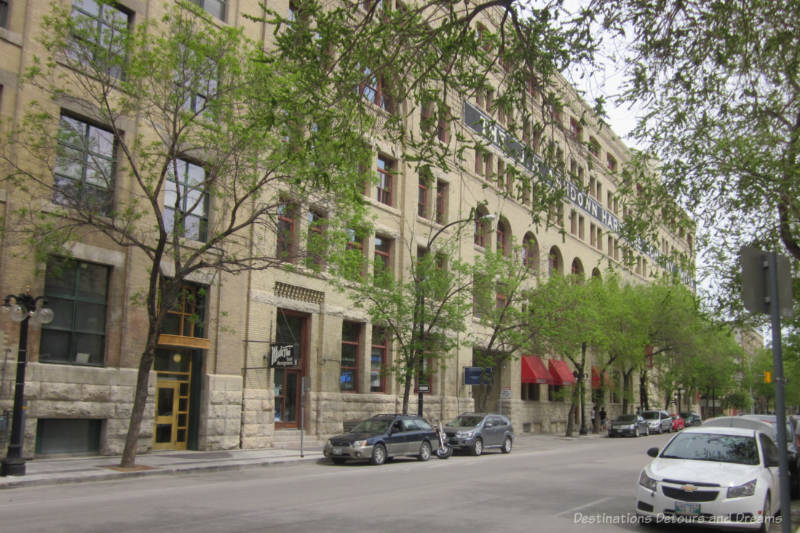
{"x": 545, "y": 484}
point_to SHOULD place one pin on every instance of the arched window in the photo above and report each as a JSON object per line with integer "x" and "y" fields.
{"x": 555, "y": 263}
{"x": 596, "y": 273}
{"x": 530, "y": 252}
{"x": 504, "y": 237}
{"x": 481, "y": 227}
{"x": 577, "y": 270}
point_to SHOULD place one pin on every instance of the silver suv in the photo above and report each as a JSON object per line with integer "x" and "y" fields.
{"x": 658, "y": 421}
{"x": 477, "y": 431}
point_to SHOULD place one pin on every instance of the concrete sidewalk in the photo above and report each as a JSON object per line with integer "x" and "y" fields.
{"x": 52, "y": 471}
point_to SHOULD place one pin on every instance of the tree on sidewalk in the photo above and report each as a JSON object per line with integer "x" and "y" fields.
{"x": 174, "y": 139}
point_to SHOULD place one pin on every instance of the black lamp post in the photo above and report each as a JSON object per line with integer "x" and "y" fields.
{"x": 420, "y": 297}
{"x": 21, "y": 308}
{"x": 582, "y": 376}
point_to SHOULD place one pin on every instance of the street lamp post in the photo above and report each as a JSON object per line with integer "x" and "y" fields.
{"x": 22, "y": 308}
{"x": 421, "y": 300}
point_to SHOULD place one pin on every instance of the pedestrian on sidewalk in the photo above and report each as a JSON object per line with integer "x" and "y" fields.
{"x": 603, "y": 418}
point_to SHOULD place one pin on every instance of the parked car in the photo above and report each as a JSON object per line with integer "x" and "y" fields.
{"x": 678, "y": 423}
{"x": 722, "y": 476}
{"x": 632, "y": 425}
{"x": 382, "y": 437}
{"x": 476, "y": 432}
{"x": 658, "y": 421}
{"x": 767, "y": 424}
{"x": 691, "y": 418}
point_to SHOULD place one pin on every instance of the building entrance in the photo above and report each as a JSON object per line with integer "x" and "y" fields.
{"x": 291, "y": 329}
{"x": 173, "y": 394}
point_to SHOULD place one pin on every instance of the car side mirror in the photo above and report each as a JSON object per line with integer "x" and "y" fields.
{"x": 652, "y": 452}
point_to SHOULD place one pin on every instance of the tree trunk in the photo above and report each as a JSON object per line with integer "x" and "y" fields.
{"x": 139, "y": 402}
{"x": 643, "y": 400}
{"x": 571, "y": 418}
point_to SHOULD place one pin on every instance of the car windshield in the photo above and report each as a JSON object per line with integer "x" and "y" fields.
{"x": 651, "y": 415}
{"x": 626, "y": 418}
{"x": 738, "y": 449}
{"x": 466, "y": 421}
{"x": 373, "y": 425}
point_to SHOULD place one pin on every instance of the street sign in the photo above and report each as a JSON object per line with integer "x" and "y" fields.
{"x": 755, "y": 278}
{"x": 283, "y": 355}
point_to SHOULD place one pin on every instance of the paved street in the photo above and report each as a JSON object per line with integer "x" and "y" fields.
{"x": 546, "y": 484}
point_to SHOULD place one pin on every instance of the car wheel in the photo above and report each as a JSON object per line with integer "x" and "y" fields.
{"x": 507, "y": 445}
{"x": 338, "y": 460}
{"x": 378, "y": 455}
{"x": 636, "y": 432}
{"x": 424, "y": 451}
{"x": 477, "y": 447}
{"x": 766, "y": 516}
{"x": 647, "y": 431}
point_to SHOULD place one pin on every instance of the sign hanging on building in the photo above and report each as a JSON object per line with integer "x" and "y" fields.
{"x": 283, "y": 355}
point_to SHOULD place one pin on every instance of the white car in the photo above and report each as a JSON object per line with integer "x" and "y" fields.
{"x": 718, "y": 476}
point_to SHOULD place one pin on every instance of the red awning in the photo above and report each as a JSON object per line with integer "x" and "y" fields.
{"x": 534, "y": 371}
{"x": 561, "y": 373}
{"x": 596, "y": 379}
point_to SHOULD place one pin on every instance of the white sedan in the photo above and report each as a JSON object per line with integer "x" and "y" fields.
{"x": 719, "y": 476}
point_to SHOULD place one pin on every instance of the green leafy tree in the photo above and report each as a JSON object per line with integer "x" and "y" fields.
{"x": 563, "y": 312}
{"x": 424, "y": 309}
{"x": 219, "y": 122}
{"x": 720, "y": 84}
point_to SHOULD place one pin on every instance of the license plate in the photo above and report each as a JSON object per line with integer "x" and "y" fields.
{"x": 336, "y": 450}
{"x": 687, "y": 508}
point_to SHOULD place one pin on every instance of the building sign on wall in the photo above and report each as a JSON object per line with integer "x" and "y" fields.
{"x": 498, "y": 137}
{"x": 283, "y": 355}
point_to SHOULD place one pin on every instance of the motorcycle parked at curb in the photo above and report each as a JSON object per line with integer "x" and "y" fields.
{"x": 445, "y": 450}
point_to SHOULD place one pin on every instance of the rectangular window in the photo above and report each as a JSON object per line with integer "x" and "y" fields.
{"x": 592, "y": 235}
{"x": 317, "y": 245}
{"x": 612, "y": 163}
{"x": 84, "y": 173}
{"x": 187, "y": 317}
{"x": 354, "y": 264}
{"x": 383, "y": 256}
{"x": 286, "y": 232}
{"x": 385, "y": 180}
{"x": 99, "y": 36}
{"x": 215, "y": 7}
{"x": 530, "y": 392}
{"x": 77, "y": 292}
{"x": 575, "y": 129}
{"x": 478, "y": 162}
{"x": 351, "y": 339}
{"x": 3, "y": 13}
{"x": 186, "y": 201}
{"x": 380, "y": 349}
{"x": 573, "y": 222}
{"x": 375, "y": 89}
{"x": 599, "y": 239}
{"x": 422, "y": 198}
{"x": 594, "y": 147}
{"x": 581, "y": 222}
{"x": 501, "y": 172}
{"x": 441, "y": 202}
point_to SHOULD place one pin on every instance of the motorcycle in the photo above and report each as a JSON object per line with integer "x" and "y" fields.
{"x": 445, "y": 450}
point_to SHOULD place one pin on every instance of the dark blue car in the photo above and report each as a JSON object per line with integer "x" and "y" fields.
{"x": 382, "y": 437}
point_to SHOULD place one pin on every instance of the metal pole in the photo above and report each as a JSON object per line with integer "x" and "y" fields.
{"x": 780, "y": 412}
{"x": 14, "y": 462}
{"x": 302, "y": 411}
